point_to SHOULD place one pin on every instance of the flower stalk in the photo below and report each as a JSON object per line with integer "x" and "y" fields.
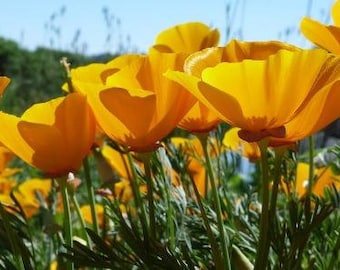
{"x": 90, "y": 193}
{"x": 68, "y": 233}
{"x": 261, "y": 260}
{"x": 146, "y": 158}
{"x": 203, "y": 137}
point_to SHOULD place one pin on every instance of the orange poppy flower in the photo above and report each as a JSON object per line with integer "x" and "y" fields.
{"x": 86, "y": 213}
{"x": 32, "y": 194}
{"x": 119, "y": 162}
{"x": 324, "y": 178}
{"x": 196, "y": 168}
{"x": 53, "y": 136}
{"x": 285, "y": 96}
{"x": 137, "y": 106}
{"x": 200, "y": 118}
{"x": 324, "y": 36}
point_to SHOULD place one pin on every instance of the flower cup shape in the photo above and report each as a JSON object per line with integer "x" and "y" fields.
{"x": 188, "y": 38}
{"x": 136, "y": 105}
{"x": 53, "y": 136}
{"x": 201, "y": 118}
{"x": 324, "y": 36}
{"x": 286, "y": 96}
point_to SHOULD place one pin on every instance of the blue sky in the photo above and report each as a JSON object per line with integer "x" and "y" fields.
{"x": 31, "y": 23}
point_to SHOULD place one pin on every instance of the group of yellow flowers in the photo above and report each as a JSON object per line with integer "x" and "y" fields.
{"x": 272, "y": 93}
{"x": 268, "y": 90}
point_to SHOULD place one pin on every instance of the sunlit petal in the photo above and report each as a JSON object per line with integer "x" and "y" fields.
{"x": 336, "y": 13}
{"x": 58, "y": 143}
{"x": 188, "y": 37}
{"x": 327, "y": 37}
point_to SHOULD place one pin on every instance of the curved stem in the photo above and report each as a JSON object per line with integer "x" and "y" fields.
{"x": 81, "y": 220}
{"x": 261, "y": 259}
{"x": 223, "y": 236}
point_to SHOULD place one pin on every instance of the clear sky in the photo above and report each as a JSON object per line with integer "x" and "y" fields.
{"x": 55, "y": 23}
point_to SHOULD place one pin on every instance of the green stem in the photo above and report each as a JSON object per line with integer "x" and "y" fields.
{"x": 146, "y": 157}
{"x": 81, "y": 220}
{"x": 136, "y": 194}
{"x": 279, "y": 152}
{"x": 223, "y": 236}
{"x": 169, "y": 210}
{"x": 90, "y": 194}
{"x": 67, "y": 217}
{"x": 311, "y": 165}
{"x": 214, "y": 247}
{"x": 261, "y": 259}
{"x": 307, "y": 201}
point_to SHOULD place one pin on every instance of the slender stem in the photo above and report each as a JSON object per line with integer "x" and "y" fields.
{"x": 223, "y": 236}
{"x": 136, "y": 194}
{"x": 214, "y": 247}
{"x": 277, "y": 176}
{"x": 81, "y": 220}
{"x": 261, "y": 260}
{"x": 169, "y": 210}
{"x": 67, "y": 217}
{"x": 90, "y": 194}
{"x": 311, "y": 165}
{"x": 146, "y": 158}
{"x": 310, "y": 179}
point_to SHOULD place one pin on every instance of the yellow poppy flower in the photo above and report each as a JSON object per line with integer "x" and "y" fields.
{"x": 232, "y": 141}
{"x": 6, "y": 185}
{"x": 196, "y": 168}
{"x": 119, "y": 162}
{"x": 54, "y": 265}
{"x": 286, "y": 96}
{"x": 86, "y": 213}
{"x": 324, "y": 178}
{"x": 200, "y": 118}
{"x": 53, "y": 136}
{"x": 32, "y": 194}
{"x": 5, "y": 157}
{"x": 4, "y": 81}
{"x": 187, "y": 38}
{"x": 137, "y": 106}
{"x": 97, "y": 72}
{"x": 324, "y": 36}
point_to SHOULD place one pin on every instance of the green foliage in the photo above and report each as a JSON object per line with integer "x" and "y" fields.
{"x": 36, "y": 76}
